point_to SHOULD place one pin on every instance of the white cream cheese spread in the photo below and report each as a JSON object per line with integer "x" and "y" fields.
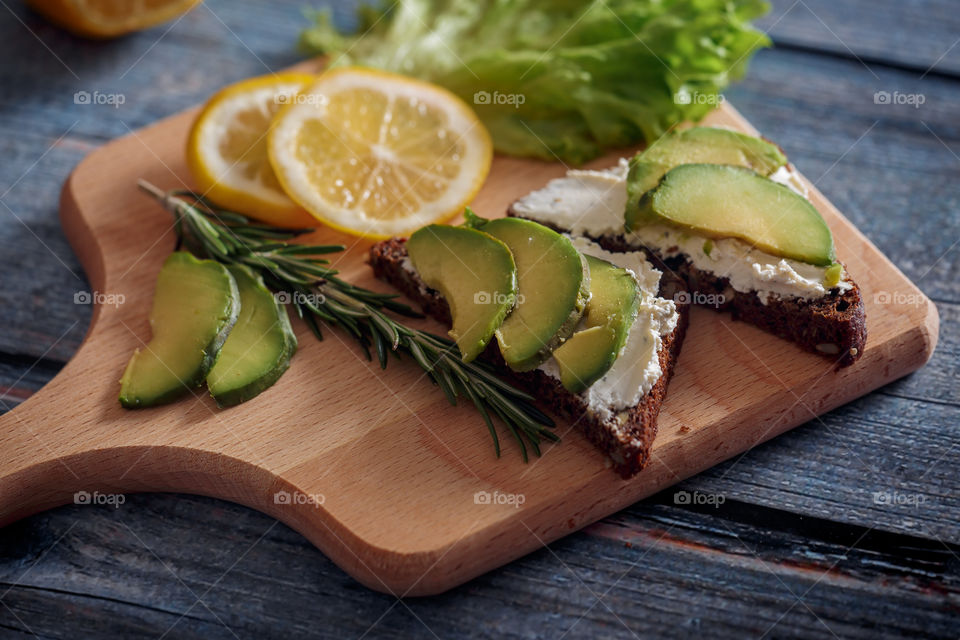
{"x": 582, "y": 203}
{"x": 637, "y": 367}
{"x": 746, "y": 268}
{"x": 790, "y": 179}
{"x": 593, "y": 202}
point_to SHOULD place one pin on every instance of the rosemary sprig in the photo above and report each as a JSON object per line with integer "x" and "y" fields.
{"x": 320, "y": 297}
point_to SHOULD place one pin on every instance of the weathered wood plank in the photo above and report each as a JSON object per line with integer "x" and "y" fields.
{"x": 937, "y": 382}
{"x": 881, "y": 461}
{"x": 918, "y": 34}
{"x": 149, "y": 69}
{"x": 21, "y": 377}
{"x": 40, "y": 317}
{"x": 660, "y": 570}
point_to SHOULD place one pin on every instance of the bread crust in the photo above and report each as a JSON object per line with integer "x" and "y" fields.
{"x": 625, "y": 438}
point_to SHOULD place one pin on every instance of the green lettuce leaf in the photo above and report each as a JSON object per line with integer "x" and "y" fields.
{"x": 559, "y": 79}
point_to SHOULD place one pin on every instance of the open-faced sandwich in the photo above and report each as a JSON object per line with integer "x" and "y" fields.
{"x": 727, "y": 213}
{"x": 593, "y": 334}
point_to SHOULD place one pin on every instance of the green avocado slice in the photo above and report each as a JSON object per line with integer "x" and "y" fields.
{"x": 699, "y": 145}
{"x": 194, "y": 307}
{"x": 474, "y": 272}
{"x": 722, "y": 201}
{"x": 553, "y": 285}
{"x": 260, "y": 345}
{"x": 610, "y": 313}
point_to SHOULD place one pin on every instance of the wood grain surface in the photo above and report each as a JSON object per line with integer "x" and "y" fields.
{"x": 797, "y": 506}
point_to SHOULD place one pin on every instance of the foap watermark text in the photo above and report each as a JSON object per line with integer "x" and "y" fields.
{"x": 96, "y": 498}
{"x": 496, "y": 98}
{"x": 315, "y": 99}
{"x": 495, "y": 297}
{"x": 97, "y": 98}
{"x": 684, "y": 96}
{"x": 314, "y": 299}
{"x": 714, "y": 300}
{"x": 497, "y": 497}
{"x": 96, "y": 297}
{"x": 699, "y": 498}
{"x": 298, "y": 497}
{"x": 915, "y": 100}
{"x": 898, "y": 298}
{"x": 899, "y": 499}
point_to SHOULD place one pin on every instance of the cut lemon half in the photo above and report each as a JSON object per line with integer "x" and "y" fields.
{"x": 377, "y": 154}
{"x": 227, "y": 149}
{"x": 109, "y": 18}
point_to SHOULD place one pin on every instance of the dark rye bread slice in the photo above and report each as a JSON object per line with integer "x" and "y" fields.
{"x": 627, "y": 436}
{"x": 834, "y": 326}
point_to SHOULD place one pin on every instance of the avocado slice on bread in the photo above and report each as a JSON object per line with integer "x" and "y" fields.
{"x": 699, "y": 145}
{"x": 723, "y": 201}
{"x": 476, "y": 274}
{"x": 591, "y": 351}
{"x": 553, "y": 285}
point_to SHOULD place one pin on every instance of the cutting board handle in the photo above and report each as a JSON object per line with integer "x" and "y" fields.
{"x": 52, "y": 454}
{"x": 71, "y": 442}
{"x": 57, "y": 446}
{"x": 44, "y": 457}
{"x": 45, "y": 460}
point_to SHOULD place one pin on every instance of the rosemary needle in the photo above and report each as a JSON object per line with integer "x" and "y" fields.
{"x": 320, "y": 297}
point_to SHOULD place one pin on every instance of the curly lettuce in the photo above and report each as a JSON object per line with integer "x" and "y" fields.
{"x": 559, "y": 79}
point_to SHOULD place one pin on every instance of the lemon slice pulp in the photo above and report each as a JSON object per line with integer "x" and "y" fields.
{"x": 227, "y": 149}
{"x": 377, "y": 154}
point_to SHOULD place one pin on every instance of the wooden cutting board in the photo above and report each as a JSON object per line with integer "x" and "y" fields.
{"x": 374, "y": 467}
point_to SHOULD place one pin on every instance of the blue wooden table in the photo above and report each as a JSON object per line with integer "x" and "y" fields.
{"x": 846, "y": 527}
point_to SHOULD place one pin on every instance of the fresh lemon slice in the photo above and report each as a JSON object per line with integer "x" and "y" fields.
{"x": 227, "y": 149}
{"x": 109, "y": 18}
{"x": 377, "y": 154}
